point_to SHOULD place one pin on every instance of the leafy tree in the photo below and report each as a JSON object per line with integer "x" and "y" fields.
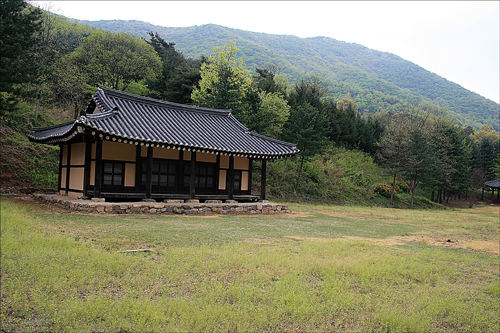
{"x": 225, "y": 82}
{"x": 68, "y": 85}
{"x": 116, "y": 59}
{"x": 270, "y": 116}
{"x": 19, "y": 24}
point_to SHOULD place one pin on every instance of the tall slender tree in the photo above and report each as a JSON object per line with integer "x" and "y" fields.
{"x": 19, "y": 24}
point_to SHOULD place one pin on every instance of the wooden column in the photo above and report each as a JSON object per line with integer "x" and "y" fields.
{"x": 250, "y": 163}
{"x": 217, "y": 175}
{"x": 68, "y": 167}
{"x": 59, "y": 185}
{"x": 138, "y": 169}
{"x": 149, "y": 172}
{"x": 192, "y": 181}
{"x": 86, "y": 169}
{"x": 179, "y": 176}
{"x": 98, "y": 167}
{"x": 230, "y": 185}
{"x": 263, "y": 180}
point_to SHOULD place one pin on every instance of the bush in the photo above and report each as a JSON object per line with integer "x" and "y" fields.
{"x": 383, "y": 190}
{"x": 338, "y": 176}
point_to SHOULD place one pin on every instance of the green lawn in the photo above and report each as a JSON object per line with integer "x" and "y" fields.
{"x": 322, "y": 268}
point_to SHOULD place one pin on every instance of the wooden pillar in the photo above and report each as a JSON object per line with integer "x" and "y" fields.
{"x": 98, "y": 167}
{"x": 149, "y": 172}
{"x": 192, "y": 180}
{"x": 138, "y": 169}
{"x": 68, "y": 167}
{"x": 230, "y": 185}
{"x": 179, "y": 176}
{"x": 263, "y": 180}
{"x": 217, "y": 175}
{"x": 86, "y": 169}
{"x": 59, "y": 185}
{"x": 250, "y": 163}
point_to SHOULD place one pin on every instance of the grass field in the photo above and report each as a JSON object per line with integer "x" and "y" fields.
{"x": 319, "y": 269}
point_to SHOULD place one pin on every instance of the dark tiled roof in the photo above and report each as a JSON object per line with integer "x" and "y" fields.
{"x": 493, "y": 183}
{"x": 141, "y": 120}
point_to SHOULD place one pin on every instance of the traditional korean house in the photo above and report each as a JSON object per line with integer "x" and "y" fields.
{"x": 134, "y": 147}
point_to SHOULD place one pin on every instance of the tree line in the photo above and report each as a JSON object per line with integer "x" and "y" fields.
{"x": 46, "y": 59}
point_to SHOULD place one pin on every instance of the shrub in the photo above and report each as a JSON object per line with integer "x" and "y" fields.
{"x": 383, "y": 190}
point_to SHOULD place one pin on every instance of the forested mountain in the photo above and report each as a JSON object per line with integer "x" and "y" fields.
{"x": 311, "y": 91}
{"x": 375, "y": 80}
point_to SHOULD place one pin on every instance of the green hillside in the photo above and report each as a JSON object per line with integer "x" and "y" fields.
{"x": 375, "y": 80}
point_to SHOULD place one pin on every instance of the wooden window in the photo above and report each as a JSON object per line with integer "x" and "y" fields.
{"x": 163, "y": 176}
{"x": 113, "y": 173}
{"x": 205, "y": 176}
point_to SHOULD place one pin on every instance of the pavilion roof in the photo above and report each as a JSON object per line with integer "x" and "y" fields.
{"x": 493, "y": 183}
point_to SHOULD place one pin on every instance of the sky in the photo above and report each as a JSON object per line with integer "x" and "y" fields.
{"x": 458, "y": 40}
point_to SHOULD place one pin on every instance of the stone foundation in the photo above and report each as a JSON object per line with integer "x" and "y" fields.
{"x": 164, "y": 208}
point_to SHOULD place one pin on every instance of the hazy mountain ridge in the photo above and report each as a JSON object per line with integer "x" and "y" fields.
{"x": 375, "y": 80}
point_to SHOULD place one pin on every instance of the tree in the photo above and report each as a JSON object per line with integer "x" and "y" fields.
{"x": 270, "y": 116}
{"x": 225, "y": 82}
{"x": 19, "y": 24}
{"x": 68, "y": 85}
{"x": 267, "y": 80}
{"x": 310, "y": 91}
{"x": 116, "y": 59}
{"x": 476, "y": 181}
{"x": 403, "y": 148}
{"x": 47, "y": 50}
{"x": 306, "y": 127}
{"x": 179, "y": 76}
{"x": 485, "y": 150}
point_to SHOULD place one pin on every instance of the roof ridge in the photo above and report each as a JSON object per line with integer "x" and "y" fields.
{"x": 158, "y": 102}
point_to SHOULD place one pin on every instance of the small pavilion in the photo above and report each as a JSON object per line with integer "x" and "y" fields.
{"x": 125, "y": 146}
{"x": 494, "y": 185}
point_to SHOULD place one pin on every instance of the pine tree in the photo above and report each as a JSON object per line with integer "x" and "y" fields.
{"x": 19, "y": 24}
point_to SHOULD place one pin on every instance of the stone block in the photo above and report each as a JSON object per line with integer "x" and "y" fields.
{"x": 213, "y": 201}
{"x": 98, "y": 199}
{"x": 178, "y": 210}
{"x": 135, "y": 208}
{"x": 192, "y": 201}
{"x": 231, "y": 201}
{"x": 173, "y": 201}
